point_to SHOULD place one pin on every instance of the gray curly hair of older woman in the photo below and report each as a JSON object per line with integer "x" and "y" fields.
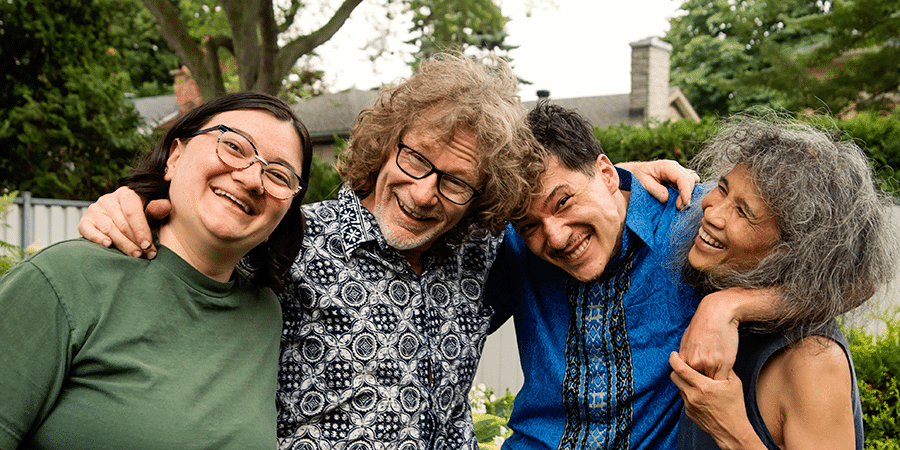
{"x": 837, "y": 245}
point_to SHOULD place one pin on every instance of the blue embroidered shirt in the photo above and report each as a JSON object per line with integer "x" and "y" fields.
{"x": 595, "y": 355}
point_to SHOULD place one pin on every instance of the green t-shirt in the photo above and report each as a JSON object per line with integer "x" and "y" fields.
{"x": 104, "y": 351}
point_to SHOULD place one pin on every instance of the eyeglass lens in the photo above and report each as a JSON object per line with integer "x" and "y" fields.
{"x": 239, "y": 153}
{"x": 418, "y": 167}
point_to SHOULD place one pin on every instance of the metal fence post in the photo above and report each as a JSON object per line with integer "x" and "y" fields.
{"x": 27, "y": 219}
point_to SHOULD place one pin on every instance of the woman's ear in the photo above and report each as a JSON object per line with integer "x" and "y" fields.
{"x": 172, "y": 161}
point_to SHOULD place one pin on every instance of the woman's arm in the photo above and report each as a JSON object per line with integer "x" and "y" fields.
{"x": 716, "y": 406}
{"x": 655, "y": 175}
{"x": 709, "y": 344}
{"x": 35, "y": 341}
{"x": 804, "y": 395}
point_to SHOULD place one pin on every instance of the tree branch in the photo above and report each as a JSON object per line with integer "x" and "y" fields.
{"x": 183, "y": 44}
{"x": 293, "y": 50}
{"x": 243, "y": 16}
{"x": 267, "y": 82}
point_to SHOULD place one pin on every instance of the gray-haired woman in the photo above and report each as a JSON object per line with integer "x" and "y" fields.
{"x": 798, "y": 211}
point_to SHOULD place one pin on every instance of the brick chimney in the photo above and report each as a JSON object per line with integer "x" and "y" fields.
{"x": 650, "y": 78}
{"x": 187, "y": 93}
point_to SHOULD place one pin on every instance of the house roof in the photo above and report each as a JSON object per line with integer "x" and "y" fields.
{"x": 333, "y": 114}
{"x": 156, "y": 110}
{"x": 599, "y": 111}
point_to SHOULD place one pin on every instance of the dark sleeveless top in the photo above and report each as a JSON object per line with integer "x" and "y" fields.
{"x": 753, "y": 352}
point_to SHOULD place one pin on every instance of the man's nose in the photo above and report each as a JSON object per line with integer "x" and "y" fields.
{"x": 557, "y": 233}
{"x": 425, "y": 190}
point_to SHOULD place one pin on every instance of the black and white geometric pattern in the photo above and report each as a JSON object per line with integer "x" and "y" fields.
{"x": 373, "y": 355}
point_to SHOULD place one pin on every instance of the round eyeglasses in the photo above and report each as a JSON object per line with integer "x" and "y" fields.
{"x": 417, "y": 166}
{"x": 237, "y": 151}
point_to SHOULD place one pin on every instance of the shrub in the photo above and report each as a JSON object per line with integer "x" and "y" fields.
{"x": 10, "y": 254}
{"x": 878, "y": 136}
{"x": 677, "y": 140}
{"x": 324, "y": 180}
{"x": 877, "y": 362}
{"x": 490, "y": 415}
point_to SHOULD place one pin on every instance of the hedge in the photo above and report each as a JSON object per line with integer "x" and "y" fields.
{"x": 878, "y": 136}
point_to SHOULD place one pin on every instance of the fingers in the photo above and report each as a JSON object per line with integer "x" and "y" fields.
{"x": 98, "y": 234}
{"x": 118, "y": 219}
{"x": 683, "y": 372}
{"x": 658, "y": 191}
{"x": 683, "y": 178}
{"x": 98, "y": 226}
{"x": 686, "y": 187}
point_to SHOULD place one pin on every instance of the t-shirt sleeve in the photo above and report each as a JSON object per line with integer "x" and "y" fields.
{"x": 34, "y": 335}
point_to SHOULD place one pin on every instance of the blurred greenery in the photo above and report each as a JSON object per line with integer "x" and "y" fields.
{"x": 877, "y": 361}
{"x": 878, "y": 135}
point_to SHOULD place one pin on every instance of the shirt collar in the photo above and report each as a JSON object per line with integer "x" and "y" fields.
{"x": 360, "y": 229}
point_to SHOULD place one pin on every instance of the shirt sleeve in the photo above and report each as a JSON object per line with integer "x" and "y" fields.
{"x": 34, "y": 336}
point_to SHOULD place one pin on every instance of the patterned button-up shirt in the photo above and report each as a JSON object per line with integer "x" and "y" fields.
{"x": 373, "y": 355}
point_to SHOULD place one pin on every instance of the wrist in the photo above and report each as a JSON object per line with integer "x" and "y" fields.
{"x": 743, "y": 438}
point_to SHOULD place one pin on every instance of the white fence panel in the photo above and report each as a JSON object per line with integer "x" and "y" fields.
{"x": 41, "y": 221}
{"x": 499, "y": 367}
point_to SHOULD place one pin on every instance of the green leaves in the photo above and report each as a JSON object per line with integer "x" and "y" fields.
{"x": 442, "y": 25}
{"x": 877, "y": 362}
{"x": 65, "y": 126}
{"x": 730, "y": 55}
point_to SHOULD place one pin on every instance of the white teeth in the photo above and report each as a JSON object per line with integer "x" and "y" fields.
{"x": 233, "y": 199}
{"x": 577, "y": 252}
{"x": 412, "y": 213}
{"x": 709, "y": 239}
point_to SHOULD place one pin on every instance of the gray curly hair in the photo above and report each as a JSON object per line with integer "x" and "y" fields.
{"x": 836, "y": 243}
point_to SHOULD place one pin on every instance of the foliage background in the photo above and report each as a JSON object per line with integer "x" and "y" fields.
{"x": 878, "y": 135}
{"x": 877, "y": 362}
{"x": 66, "y": 129}
{"x": 835, "y": 55}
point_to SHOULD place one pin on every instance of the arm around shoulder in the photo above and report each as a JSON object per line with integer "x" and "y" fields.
{"x": 119, "y": 219}
{"x": 710, "y": 342}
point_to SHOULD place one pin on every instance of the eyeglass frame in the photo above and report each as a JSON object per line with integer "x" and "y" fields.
{"x": 440, "y": 174}
{"x": 301, "y": 184}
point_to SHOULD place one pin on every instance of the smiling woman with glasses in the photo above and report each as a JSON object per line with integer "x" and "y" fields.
{"x": 102, "y": 350}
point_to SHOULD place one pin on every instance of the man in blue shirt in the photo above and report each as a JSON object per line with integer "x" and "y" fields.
{"x": 597, "y": 308}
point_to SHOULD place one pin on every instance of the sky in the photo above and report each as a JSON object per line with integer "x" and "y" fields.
{"x": 573, "y": 48}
